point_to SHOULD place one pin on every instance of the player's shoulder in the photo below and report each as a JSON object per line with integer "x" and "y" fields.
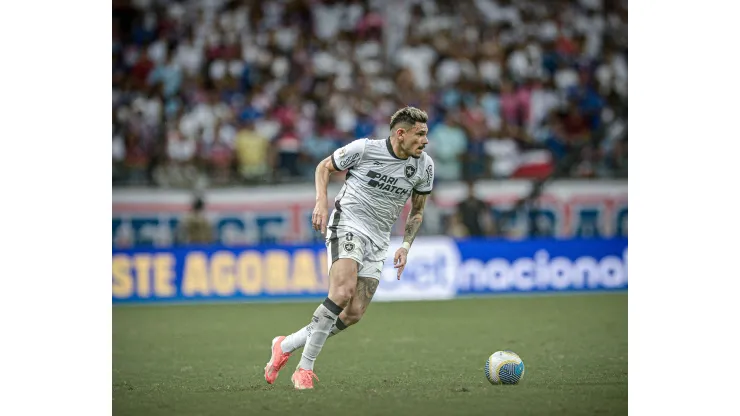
{"x": 371, "y": 141}
{"x": 373, "y": 147}
{"x": 426, "y": 165}
{"x": 425, "y": 159}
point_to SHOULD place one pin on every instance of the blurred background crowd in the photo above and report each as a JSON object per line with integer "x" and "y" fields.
{"x": 214, "y": 92}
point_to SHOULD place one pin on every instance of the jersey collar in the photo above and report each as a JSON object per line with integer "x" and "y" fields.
{"x": 390, "y": 148}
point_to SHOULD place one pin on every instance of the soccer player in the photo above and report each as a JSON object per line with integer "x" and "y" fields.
{"x": 381, "y": 176}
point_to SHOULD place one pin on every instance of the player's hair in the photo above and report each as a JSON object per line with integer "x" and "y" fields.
{"x": 408, "y": 115}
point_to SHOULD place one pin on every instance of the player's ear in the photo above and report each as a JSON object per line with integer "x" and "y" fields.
{"x": 400, "y": 131}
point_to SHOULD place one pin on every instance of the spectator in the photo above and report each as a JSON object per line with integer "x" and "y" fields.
{"x": 474, "y": 214}
{"x": 195, "y": 227}
{"x": 286, "y": 64}
{"x": 219, "y": 155}
{"x": 448, "y": 143}
{"x": 252, "y": 152}
{"x": 136, "y": 159}
{"x": 119, "y": 154}
{"x": 476, "y": 162}
{"x": 455, "y": 227}
{"x": 181, "y": 152}
{"x": 288, "y": 148}
{"x": 168, "y": 74}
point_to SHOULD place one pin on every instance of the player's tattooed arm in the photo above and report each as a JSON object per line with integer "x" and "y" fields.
{"x": 413, "y": 222}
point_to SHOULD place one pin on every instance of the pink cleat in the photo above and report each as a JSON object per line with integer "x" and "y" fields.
{"x": 277, "y": 360}
{"x": 303, "y": 379}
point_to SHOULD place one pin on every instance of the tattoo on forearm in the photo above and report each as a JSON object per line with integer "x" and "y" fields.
{"x": 413, "y": 223}
{"x": 412, "y": 227}
{"x": 366, "y": 287}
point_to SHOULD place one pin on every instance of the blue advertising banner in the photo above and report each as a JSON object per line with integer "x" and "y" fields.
{"x": 542, "y": 266}
{"x": 217, "y": 273}
{"x": 438, "y": 268}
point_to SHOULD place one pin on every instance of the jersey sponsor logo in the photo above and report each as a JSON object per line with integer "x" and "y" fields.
{"x": 348, "y": 161}
{"x": 385, "y": 183}
{"x": 376, "y": 163}
{"x": 410, "y": 170}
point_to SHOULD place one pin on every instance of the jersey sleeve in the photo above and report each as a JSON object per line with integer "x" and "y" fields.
{"x": 427, "y": 179}
{"x": 349, "y": 155}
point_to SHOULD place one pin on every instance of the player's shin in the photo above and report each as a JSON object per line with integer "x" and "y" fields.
{"x": 318, "y": 331}
{"x": 297, "y": 339}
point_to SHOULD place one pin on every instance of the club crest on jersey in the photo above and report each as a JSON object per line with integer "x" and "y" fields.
{"x": 349, "y": 246}
{"x": 410, "y": 170}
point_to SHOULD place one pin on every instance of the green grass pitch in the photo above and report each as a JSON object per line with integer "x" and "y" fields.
{"x": 404, "y": 358}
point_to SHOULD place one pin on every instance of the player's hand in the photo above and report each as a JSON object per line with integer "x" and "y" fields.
{"x": 320, "y": 217}
{"x": 399, "y": 260}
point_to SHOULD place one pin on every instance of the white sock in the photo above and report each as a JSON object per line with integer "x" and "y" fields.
{"x": 298, "y": 339}
{"x": 318, "y": 331}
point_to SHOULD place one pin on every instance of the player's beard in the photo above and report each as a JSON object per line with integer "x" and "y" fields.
{"x": 416, "y": 149}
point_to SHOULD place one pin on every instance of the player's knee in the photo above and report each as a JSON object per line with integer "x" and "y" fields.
{"x": 342, "y": 295}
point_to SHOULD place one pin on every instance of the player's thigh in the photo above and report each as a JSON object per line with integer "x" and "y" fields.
{"x": 342, "y": 279}
{"x": 345, "y": 257}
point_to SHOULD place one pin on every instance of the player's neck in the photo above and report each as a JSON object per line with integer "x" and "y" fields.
{"x": 396, "y": 146}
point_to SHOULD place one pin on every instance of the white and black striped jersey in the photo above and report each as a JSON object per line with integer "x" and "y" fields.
{"x": 378, "y": 185}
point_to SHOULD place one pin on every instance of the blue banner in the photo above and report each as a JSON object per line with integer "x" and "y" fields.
{"x": 542, "y": 266}
{"x": 438, "y": 268}
{"x": 217, "y": 273}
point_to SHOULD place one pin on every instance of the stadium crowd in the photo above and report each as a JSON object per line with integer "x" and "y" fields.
{"x": 215, "y": 92}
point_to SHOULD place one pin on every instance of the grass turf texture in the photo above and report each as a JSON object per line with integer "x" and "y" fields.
{"x": 406, "y": 358}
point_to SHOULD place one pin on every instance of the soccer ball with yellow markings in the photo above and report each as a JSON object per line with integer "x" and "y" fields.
{"x": 504, "y": 367}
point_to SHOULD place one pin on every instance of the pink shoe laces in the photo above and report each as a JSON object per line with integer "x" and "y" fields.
{"x": 281, "y": 360}
{"x": 305, "y": 377}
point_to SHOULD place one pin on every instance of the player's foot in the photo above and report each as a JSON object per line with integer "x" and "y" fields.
{"x": 277, "y": 360}
{"x": 303, "y": 379}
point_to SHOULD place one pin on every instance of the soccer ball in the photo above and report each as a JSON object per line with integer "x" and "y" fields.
{"x": 504, "y": 367}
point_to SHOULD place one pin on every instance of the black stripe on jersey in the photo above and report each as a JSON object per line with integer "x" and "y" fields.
{"x": 422, "y": 192}
{"x": 334, "y": 162}
{"x": 334, "y": 238}
{"x": 337, "y": 205}
{"x": 390, "y": 149}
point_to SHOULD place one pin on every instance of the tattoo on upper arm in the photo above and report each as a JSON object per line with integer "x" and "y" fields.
{"x": 417, "y": 203}
{"x": 366, "y": 287}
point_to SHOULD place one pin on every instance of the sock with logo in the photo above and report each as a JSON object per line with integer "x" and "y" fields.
{"x": 298, "y": 339}
{"x": 318, "y": 331}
